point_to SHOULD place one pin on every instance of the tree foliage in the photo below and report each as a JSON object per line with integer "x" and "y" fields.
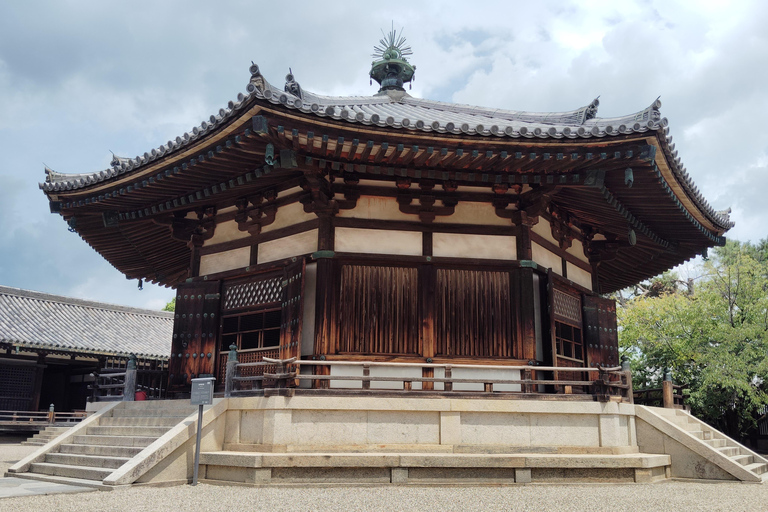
{"x": 171, "y": 306}
{"x": 712, "y": 335}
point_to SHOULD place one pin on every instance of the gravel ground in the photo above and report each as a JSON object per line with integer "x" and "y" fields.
{"x": 664, "y": 496}
{"x": 12, "y": 451}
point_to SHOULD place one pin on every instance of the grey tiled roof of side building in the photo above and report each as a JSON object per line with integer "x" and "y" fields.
{"x": 45, "y": 321}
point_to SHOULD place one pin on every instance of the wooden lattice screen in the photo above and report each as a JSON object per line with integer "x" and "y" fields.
{"x": 252, "y": 293}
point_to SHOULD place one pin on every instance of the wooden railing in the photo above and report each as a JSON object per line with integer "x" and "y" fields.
{"x": 119, "y": 384}
{"x": 270, "y": 376}
{"x": 669, "y": 396}
{"x": 37, "y": 418}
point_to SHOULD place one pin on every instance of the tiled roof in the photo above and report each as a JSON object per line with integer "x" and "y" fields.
{"x": 45, "y": 321}
{"x": 398, "y": 110}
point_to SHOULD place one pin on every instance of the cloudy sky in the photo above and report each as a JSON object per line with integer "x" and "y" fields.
{"x": 79, "y": 79}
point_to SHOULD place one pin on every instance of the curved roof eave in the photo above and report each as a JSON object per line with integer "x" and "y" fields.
{"x": 402, "y": 111}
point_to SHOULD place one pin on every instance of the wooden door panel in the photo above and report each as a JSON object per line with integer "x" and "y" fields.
{"x": 600, "y": 332}
{"x": 195, "y": 330}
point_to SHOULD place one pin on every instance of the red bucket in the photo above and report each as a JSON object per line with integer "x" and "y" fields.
{"x": 140, "y": 395}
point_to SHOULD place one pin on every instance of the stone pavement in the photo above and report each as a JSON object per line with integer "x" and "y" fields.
{"x": 11, "y": 487}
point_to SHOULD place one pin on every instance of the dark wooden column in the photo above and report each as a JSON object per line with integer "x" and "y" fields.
{"x": 35, "y": 401}
{"x": 524, "y": 311}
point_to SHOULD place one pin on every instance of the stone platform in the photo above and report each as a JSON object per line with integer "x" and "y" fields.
{"x": 390, "y": 440}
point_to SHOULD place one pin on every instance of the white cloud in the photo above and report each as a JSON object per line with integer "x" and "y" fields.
{"x": 75, "y": 84}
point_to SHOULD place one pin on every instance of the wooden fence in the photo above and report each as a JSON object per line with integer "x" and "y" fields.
{"x": 35, "y": 419}
{"x": 118, "y": 384}
{"x": 291, "y": 376}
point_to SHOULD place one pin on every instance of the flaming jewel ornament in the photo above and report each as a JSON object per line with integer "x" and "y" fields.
{"x": 391, "y": 69}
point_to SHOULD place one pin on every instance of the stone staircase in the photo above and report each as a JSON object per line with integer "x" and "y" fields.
{"x": 45, "y": 436}
{"x": 88, "y": 457}
{"x": 733, "y": 458}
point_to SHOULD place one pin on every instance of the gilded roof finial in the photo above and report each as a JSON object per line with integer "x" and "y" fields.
{"x": 391, "y": 69}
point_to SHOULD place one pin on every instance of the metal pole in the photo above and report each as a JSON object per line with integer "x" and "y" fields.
{"x": 197, "y": 444}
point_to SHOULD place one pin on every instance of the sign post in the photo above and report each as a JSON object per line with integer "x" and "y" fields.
{"x": 202, "y": 394}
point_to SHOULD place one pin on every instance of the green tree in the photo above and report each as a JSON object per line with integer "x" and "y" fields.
{"x": 171, "y": 306}
{"x": 713, "y": 336}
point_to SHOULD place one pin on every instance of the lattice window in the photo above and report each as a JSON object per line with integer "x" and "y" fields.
{"x": 253, "y": 293}
{"x": 567, "y": 308}
{"x": 17, "y": 384}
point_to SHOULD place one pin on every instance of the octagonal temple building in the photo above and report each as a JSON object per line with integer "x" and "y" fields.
{"x": 390, "y": 228}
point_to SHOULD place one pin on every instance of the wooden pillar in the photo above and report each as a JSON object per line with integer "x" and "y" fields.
{"x": 231, "y": 372}
{"x": 35, "y": 400}
{"x": 667, "y": 391}
{"x": 427, "y": 288}
{"x": 523, "y": 239}
{"x": 525, "y": 313}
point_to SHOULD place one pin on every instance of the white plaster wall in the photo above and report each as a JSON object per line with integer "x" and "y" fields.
{"x": 546, "y": 258}
{"x": 223, "y": 261}
{"x": 459, "y": 245}
{"x": 480, "y": 373}
{"x": 577, "y": 249}
{"x": 378, "y": 241}
{"x": 289, "y": 215}
{"x": 293, "y": 245}
{"x": 377, "y": 183}
{"x": 376, "y": 371}
{"x": 579, "y": 275}
{"x": 468, "y": 212}
{"x": 226, "y": 232}
{"x": 543, "y": 229}
{"x": 288, "y": 192}
{"x": 374, "y": 207}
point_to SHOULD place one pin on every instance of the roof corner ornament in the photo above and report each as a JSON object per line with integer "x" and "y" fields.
{"x": 291, "y": 85}
{"x": 725, "y": 214}
{"x": 591, "y": 111}
{"x": 257, "y": 82}
{"x": 118, "y": 161}
{"x": 49, "y": 173}
{"x": 391, "y": 69}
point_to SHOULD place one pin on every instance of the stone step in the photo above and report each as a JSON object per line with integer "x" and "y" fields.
{"x": 704, "y": 435}
{"x": 253, "y": 467}
{"x": 109, "y": 451}
{"x": 729, "y": 451}
{"x": 141, "y": 421}
{"x": 127, "y": 431}
{"x": 84, "y": 472}
{"x": 147, "y": 405}
{"x": 154, "y": 413}
{"x": 94, "y": 461}
{"x": 716, "y": 443}
{"x": 104, "y": 440}
{"x": 64, "y": 480}
{"x": 743, "y": 459}
{"x": 758, "y": 467}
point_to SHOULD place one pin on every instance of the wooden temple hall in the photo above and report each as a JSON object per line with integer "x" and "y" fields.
{"x": 394, "y": 229}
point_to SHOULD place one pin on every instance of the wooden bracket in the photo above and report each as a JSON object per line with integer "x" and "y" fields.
{"x": 255, "y": 212}
{"x": 426, "y": 209}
